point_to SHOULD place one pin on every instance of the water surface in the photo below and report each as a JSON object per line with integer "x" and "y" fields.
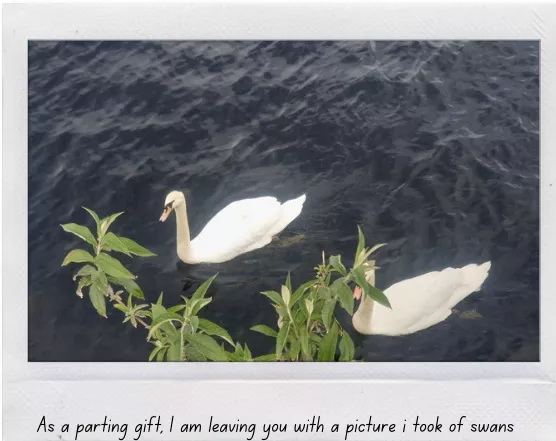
{"x": 432, "y": 147}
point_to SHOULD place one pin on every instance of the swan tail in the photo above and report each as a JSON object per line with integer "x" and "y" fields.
{"x": 473, "y": 277}
{"x": 289, "y": 211}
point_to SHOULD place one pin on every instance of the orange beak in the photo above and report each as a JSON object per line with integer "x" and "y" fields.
{"x": 165, "y": 214}
{"x": 357, "y": 292}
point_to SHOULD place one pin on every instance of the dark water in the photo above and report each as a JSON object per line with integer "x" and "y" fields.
{"x": 432, "y": 147}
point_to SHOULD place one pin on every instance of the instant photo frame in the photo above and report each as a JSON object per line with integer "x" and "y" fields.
{"x": 523, "y": 394}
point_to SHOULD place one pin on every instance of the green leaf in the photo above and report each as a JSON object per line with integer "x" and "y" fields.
{"x": 289, "y": 282}
{"x": 327, "y": 348}
{"x": 134, "y": 248}
{"x": 95, "y": 217}
{"x": 347, "y": 348}
{"x": 157, "y": 311}
{"x": 81, "y": 232}
{"x": 281, "y": 339}
{"x": 207, "y": 346}
{"x": 107, "y": 221}
{"x": 213, "y": 329}
{"x": 265, "y": 358}
{"x": 160, "y": 355}
{"x": 121, "y": 307}
{"x": 194, "y": 306}
{"x": 176, "y": 308}
{"x": 369, "y": 290}
{"x": 159, "y": 301}
{"x": 192, "y": 354}
{"x": 266, "y": 330}
{"x": 295, "y": 347}
{"x": 194, "y": 323}
{"x": 97, "y": 299}
{"x": 300, "y": 291}
{"x": 327, "y": 313}
{"x": 376, "y": 247}
{"x": 336, "y": 263}
{"x": 345, "y": 295}
{"x": 78, "y": 256}
{"x": 201, "y": 291}
{"x": 83, "y": 282}
{"x": 87, "y": 270}
{"x": 275, "y": 297}
{"x": 111, "y": 242}
{"x": 112, "y": 267}
{"x": 174, "y": 352}
{"x": 286, "y": 295}
{"x": 361, "y": 243}
{"x": 130, "y": 286}
{"x": 304, "y": 341}
{"x": 153, "y": 353}
{"x": 168, "y": 317}
{"x": 100, "y": 281}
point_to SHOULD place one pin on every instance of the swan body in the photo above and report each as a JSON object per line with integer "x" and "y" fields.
{"x": 417, "y": 303}
{"x": 240, "y": 227}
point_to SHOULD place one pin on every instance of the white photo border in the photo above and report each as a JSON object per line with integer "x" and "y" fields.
{"x": 328, "y": 21}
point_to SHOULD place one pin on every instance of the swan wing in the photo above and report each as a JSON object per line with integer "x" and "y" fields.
{"x": 423, "y": 301}
{"x": 236, "y": 229}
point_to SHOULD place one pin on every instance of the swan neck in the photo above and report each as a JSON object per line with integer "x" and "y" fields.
{"x": 363, "y": 316}
{"x": 183, "y": 238}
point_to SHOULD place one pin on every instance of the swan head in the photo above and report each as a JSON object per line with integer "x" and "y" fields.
{"x": 173, "y": 200}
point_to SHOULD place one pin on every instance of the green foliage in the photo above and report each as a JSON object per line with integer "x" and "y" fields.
{"x": 308, "y": 328}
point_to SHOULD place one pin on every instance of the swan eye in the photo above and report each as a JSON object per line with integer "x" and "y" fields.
{"x": 168, "y": 206}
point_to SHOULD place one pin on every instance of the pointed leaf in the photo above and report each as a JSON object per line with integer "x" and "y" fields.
{"x": 361, "y": 243}
{"x": 336, "y": 263}
{"x": 345, "y": 295}
{"x": 347, "y": 348}
{"x": 111, "y": 242}
{"x": 163, "y": 319}
{"x": 213, "y": 329}
{"x": 112, "y": 267}
{"x": 100, "y": 281}
{"x": 122, "y": 308}
{"x": 194, "y": 306}
{"x": 327, "y": 347}
{"x": 265, "y": 358}
{"x": 327, "y": 312}
{"x": 97, "y": 299}
{"x": 207, "y": 346}
{"x": 130, "y": 286}
{"x": 369, "y": 290}
{"x": 192, "y": 354}
{"x": 81, "y": 232}
{"x": 87, "y": 270}
{"x": 201, "y": 291}
{"x": 134, "y": 248}
{"x": 107, "y": 221}
{"x": 78, "y": 256}
{"x": 275, "y": 297}
{"x": 281, "y": 339}
{"x": 83, "y": 282}
{"x": 286, "y": 295}
{"x": 95, "y": 217}
{"x": 289, "y": 282}
{"x": 266, "y": 330}
{"x": 174, "y": 352}
{"x": 300, "y": 291}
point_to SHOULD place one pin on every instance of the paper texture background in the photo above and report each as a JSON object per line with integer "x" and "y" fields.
{"x": 521, "y": 393}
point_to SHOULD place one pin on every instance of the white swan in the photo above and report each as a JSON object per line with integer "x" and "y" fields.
{"x": 417, "y": 303}
{"x": 240, "y": 227}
